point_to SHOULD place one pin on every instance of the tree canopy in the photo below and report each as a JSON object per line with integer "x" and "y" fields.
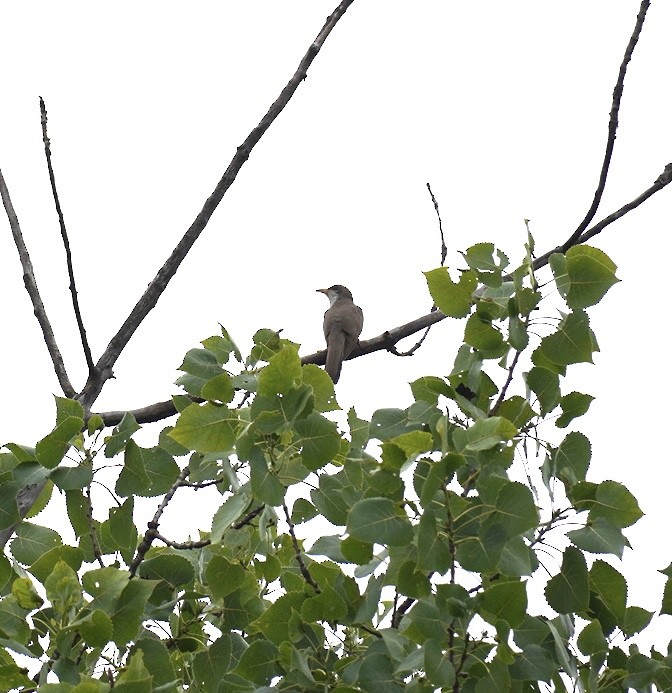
{"x": 397, "y": 552}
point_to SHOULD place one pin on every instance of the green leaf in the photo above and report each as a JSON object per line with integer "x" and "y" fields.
{"x": 14, "y": 678}
{"x": 206, "y": 428}
{"x": 199, "y": 366}
{"x": 599, "y": 536}
{"x": 591, "y": 639}
{"x": 413, "y": 582}
{"x": 483, "y": 336}
{"x": 517, "y": 410}
{"x": 223, "y": 576}
{"x": 321, "y": 386}
{"x": 232, "y": 508}
{"x": 265, "y": 484}
{"x": 328, "y": 605}
{"x": 156, "y": 658}
{"x": 487, "y": 433}
{"x": 69, "y": 478}
{"x": 505, "y": 601}
{"x": 52, "y": 448}
{"x": 147, "y": 471}
{"x": 453, "y": 299}
{"x": 259, "y": 662}
{"x": 134, "y": 678}
{"x": 319, "y": 440}
{"x": 413, "y": 443}
{"x": 534, "y": 663}
{"x": 9, "y": 511}
{"x": 388, "y": 423}
{"x": 95, "y": 423}
{"x": 32, "y": 541}
{"x": 123, "y": 534}
{"x": 546, "y": 386}
{"x": 279, "y": 623}
{"x": 212, "y": 664}
{"x": 121, "y": 434}
{"x": 283, "y": 372}
{"x": 666, "y": 606}
{"x": 26, "y": 595}
{"x": 610, "y": 587}
{"x": 572, "y": 458}
{"x": 641, "y": 672}
{"x": 95, "y": 628}
{"x": 44, "y": 565}
{"x": 591, "y": 274}
{"x": 433, "y": 550}
{"x": 567, "y": 592}
{"x": 636, "y": 619}
{"x": 222, "y": 347}
{"x": 438, "y": 666}
{"x": 356, "y": 551}
{"x": 572, "y": 342}
{"x": 616, "y": 504}
{"x": 379, "y": 520}
{"x": 516, "y": 510}
{"x": 175, "y": 570}
{"x": 129, "y": 609}
{"x": 219, "y": 388}
{"x": 573, "y": 405}
{"x": 518, "y": 336}
{"x": 429, "y": 388}
{"x": 63, "y": 589}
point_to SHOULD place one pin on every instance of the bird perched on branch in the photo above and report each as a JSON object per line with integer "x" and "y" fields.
{"x": 343, "y": 324}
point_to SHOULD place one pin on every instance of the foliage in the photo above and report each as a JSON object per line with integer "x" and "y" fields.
{"x": 429, "y": 535}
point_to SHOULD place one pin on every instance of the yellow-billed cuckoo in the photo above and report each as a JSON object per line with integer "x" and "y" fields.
{"x": 342, "y": 326}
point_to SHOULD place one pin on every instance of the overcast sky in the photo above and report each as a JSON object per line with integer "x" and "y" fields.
{"x": 501, "y": 106}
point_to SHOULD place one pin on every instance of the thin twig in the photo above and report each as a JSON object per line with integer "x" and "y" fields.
{"x": 103, "y": 370}
{"x": 444, "y": 249}
{"x": 153, "y": 525}
{"x": 183, "y": 545}
{"x": 248, "y": 518}
{"x": 31, "y": 288}
{"x": 509, "y": 378}
{"x": 613, "y": 126}
{"x": 66, "y": 242}
{"x": 298, "y": 553}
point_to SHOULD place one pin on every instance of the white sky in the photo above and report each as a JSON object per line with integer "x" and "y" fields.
{"x": 501, "y": 106}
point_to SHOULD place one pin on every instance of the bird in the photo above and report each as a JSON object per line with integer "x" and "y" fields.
{"x": 342, "y": 325}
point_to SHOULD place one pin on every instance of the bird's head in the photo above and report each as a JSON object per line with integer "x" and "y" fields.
{"x": 333, "y": 293}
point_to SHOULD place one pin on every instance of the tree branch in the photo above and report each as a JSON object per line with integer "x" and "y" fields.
{"x": 103, "y": 369}
{"x": 31, "y": 288}
{"x": 613, "y": 126}
{"x": 153, "y": 525}
{"x": 66, "y": 242}
{"x": 388, "y": 339}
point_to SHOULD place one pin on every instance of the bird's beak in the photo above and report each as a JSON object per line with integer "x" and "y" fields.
{"x": 322, "y": 291}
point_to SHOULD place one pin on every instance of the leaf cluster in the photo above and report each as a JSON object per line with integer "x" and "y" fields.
{"x": 393, "y": 555}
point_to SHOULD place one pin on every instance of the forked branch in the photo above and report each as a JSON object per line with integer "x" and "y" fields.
{"x": 613, "y": 126}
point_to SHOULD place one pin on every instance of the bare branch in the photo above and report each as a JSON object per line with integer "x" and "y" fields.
{"x": 66, "y": 242}
{"x": 148, "y": 300}
{"x": 613, "y": 126}
{"x": 31, "y": 288}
